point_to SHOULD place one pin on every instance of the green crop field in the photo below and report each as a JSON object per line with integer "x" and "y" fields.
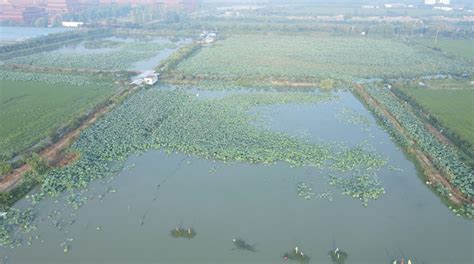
{"x": 450, "y": 101}
{"x": 31, "y": 109}
{"x": 463, "y": 48}
{"x": 317, "y": 57}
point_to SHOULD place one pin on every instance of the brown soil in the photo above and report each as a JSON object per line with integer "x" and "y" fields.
{"x": 431, "y": 174}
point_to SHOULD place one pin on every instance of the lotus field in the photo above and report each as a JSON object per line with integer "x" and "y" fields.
{"x": 445, "y": 157}
{"x": 316, "y": 57}
{"x": 120, "y": 58}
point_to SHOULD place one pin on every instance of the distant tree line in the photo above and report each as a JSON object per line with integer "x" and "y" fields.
{"x": 94, "y": 14}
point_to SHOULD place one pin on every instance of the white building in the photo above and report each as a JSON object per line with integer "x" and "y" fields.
{"x": 72, "y": 24}
{"x": 437, "y": 2}
{"x": 151, "y": 79}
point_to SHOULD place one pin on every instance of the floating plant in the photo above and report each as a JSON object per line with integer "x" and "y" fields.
{"x": 305, "y": 191}
{"x": 338, "y": 256}
{"x": 183, "y": 232}
{"x": 362, "y": 187}
{"x": 296, "y": 255}
{"x": 353, "y": 117}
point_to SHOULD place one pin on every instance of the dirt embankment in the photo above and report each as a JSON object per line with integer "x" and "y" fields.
{"x": 430, "y": 172}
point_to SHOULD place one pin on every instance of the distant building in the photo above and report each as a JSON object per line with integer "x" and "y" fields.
{"x": 21, "y": 14}
{"x": 187, "y": 5}
{"x": 8, "y": 13}
{"x": 437, "y": 2}
{"x": 72, "y": 24}
{"x": 443, "y": 8}
{"x": 395, "y": 5}
{"x": 32, "y": 13}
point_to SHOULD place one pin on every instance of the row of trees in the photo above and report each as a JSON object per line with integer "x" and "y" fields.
{"x": 93, "y": 15}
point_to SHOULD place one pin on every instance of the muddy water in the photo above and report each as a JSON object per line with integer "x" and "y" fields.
{"x": 127, "y": 219}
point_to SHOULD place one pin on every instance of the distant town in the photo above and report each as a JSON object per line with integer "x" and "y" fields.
{"x": 51, "y": 12}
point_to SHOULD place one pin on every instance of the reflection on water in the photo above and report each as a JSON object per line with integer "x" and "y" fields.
{"x": 8, "y": 34}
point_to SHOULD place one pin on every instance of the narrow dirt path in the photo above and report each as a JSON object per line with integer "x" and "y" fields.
{"x": 429, "y": 171}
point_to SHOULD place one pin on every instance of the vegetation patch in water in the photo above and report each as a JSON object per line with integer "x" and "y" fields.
{"x": 338, "y": 256}
{"x": 296, "y": 255}
{"x": 305, "y": 191}
{"x": 120, "y": 59}
{"x": 183, "y": 232}
{"x": 362, "y": 187}
{"x": 15, "y": 222}
{"x": 352, "y": 117}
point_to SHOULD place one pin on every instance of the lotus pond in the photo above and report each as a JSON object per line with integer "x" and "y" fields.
{"x": 110, "y": 53}
{"x": 231, "y": 167}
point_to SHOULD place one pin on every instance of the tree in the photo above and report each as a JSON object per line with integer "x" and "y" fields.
{"x": 41, "y": 22}
{"x": 57, "y": 21}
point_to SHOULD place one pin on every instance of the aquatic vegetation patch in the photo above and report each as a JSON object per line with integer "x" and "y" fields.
{"x": 120, "y": 59}
{"x": 180, "y": 232}
{"x": 362, "y": 187}
{"x": 338, "y": 256}
{"x": 325, "y": 195}
{"x": 359, "y": 158}
{"x": 14, "y": 222}
{"x": 296, "y": 255}
{"x": 305, "y": 191}
{"x": 352, "y": 117}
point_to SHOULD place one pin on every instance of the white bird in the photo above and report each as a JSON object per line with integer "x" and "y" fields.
{"x": 296, "y": 249}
